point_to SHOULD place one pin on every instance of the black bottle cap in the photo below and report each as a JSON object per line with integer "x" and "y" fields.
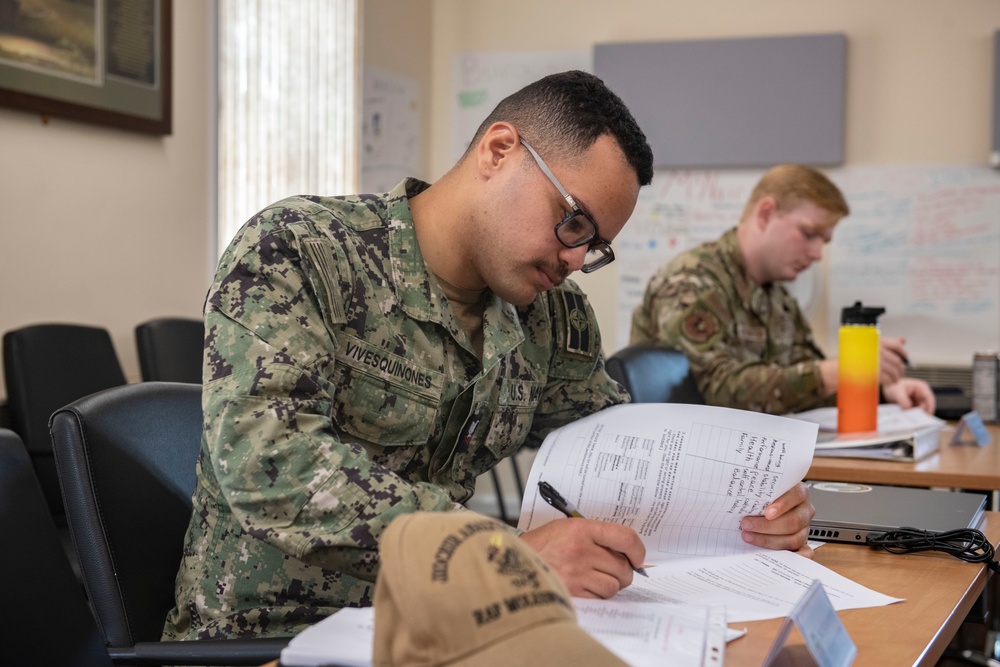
{"x": 858, "y": 314}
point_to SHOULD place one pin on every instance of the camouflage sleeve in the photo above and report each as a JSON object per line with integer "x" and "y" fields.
{"x": 577, "y": 383}
{"x": 694, "y": 314}
{"x": 281, "y": 465}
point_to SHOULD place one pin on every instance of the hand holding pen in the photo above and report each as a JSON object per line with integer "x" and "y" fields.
{"x": 555, "y": 499}
{"x": 893, "y": 360}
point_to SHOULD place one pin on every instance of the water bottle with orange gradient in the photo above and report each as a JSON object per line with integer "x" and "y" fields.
{"x": 857, "y": 369}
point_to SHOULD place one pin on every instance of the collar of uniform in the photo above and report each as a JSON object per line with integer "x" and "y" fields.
{"x": 502, "y": 330}
{"x": 421, "y": 297}
{"x": 753, "y": 295}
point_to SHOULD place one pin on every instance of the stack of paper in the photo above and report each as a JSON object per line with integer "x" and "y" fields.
{"x": 902, "y": 435}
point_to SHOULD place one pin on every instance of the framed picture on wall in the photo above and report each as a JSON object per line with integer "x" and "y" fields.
{"x": 98, "y": 61}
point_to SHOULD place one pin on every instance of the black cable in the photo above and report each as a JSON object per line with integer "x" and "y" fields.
{"x": 966, "y": 544}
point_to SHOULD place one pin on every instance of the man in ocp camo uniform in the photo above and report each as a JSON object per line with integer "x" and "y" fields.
{"x": 723, "y": 304}
{"x": 369, "y": 356}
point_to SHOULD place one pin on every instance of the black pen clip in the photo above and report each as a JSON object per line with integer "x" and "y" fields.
{"x": 550, "y": 495}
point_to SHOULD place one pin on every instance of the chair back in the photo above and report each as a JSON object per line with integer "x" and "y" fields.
{"x": 47, "y": 366}
{"x": 47, "y": 619}
{"x": 171, "y": 349}
{"x": 654, "y": 374}
{"x": 126, "y": 459}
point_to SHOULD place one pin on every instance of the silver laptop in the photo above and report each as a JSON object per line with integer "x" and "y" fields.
{"x": 848, "y": 512}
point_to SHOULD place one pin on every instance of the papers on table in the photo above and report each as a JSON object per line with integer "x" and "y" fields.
{"x": 902, "y": 435}
{"x": 891, "y": 417}
{"x": 651, "y": 634}
{"x": 344, "y": 639}
{"x": 675, "y": 617}
{"x": 752, "y": 587}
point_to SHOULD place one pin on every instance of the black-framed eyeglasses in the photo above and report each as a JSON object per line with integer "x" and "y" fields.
{"x": 576, "y": 228}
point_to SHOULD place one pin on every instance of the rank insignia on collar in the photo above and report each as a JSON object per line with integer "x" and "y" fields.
{"x": 578, "y": 334}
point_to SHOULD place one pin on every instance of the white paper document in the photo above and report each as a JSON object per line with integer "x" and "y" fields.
{"x": 753, "y": 587}
{"x": 682, "y": 476}
{"x": 640, "y": 634}
{"x": 656, "y": 634}
{"x": 902, "y": 435}
{"x": 345, "y": 639}
{"x": 891, "y": 418}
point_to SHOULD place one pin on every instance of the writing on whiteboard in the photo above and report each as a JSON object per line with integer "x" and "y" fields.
{"x": 922, "y": 241}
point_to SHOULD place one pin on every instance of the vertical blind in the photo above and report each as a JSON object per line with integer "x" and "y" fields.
{"x": 288, "y": 100}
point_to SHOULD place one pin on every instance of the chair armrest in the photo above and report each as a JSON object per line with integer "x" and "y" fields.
{"x": 201, "y": 652}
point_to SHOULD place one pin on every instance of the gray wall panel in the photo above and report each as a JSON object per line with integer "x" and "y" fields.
{"x": 734, "y": 102}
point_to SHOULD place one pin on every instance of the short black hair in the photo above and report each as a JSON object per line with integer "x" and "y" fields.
{"x": 563, "y": 114}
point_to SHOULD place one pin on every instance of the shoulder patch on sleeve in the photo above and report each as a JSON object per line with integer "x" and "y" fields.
{"x": 699, "y": 326}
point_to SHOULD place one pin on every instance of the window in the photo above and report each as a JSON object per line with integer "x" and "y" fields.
{"x": 288, "y": 100}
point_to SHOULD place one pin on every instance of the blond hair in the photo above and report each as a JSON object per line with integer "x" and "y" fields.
{"x": 792, "y": 184}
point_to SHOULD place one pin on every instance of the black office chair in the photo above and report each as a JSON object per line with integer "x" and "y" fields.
{"x": 126, "y": 459}
{"x": 653, "y": 374}
{"x": 46, "y": 617}
{"x": 47, "y": 366}
{"x": 171, "y": 349}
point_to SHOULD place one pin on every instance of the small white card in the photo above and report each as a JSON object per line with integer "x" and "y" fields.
{"x": 972, "y": 422}
{"x": 824, "y": 634}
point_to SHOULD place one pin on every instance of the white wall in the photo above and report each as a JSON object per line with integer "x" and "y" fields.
{"x": 109, "y": 228}
{"x": 919, "y": 79}
{"x": 397, "y": 37}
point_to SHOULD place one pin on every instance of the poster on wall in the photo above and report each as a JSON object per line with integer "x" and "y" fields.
{"x": 390, "y": 129}
{"x": 481, "y": 80}
{"x": 99, "y": 61}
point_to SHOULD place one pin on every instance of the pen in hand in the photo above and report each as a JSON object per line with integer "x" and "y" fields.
{"x": 554, "y": 498}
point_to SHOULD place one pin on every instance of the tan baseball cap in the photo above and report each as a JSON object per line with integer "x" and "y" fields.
{"x": 459, "y": 588}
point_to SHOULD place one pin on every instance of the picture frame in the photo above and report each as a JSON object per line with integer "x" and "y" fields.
{"x": 106, "y": 62}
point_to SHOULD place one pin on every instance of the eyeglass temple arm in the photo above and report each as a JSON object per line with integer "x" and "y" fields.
{"x": 552, "y": 177}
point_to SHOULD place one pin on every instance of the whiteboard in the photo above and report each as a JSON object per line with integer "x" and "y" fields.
{"x": 922, "y": 241}
{"x": 925, "y": 243}
{"x": 481, "y": 80}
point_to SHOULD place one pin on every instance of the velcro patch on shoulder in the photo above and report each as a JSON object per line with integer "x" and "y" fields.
{"x": 579, "y": 337}
{"x": 700, "y": 325}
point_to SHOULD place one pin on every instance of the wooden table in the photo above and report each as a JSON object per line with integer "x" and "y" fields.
{"x": 964, "y": 466}
{"x": 939, "y": 590}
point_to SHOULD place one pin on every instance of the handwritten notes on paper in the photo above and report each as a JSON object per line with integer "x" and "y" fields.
{"x": 682, "y": 476}
{"x": 925, "y": 243}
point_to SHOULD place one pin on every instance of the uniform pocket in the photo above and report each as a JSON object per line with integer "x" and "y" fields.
{"x": 512, "y": 419}
{"x": 384, "y": 399}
